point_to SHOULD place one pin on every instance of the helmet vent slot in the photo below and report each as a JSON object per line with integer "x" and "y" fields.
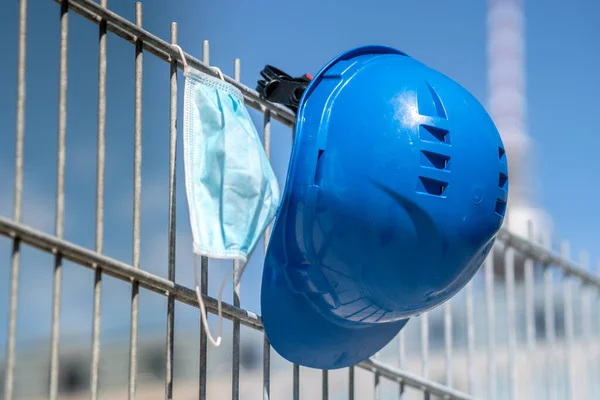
{"x": 502, "y": 180}
{"x": 429, "y": 133}
{"x": 501, "y": 154}
{"x": 319, "y": 168}
{"x": 500, "y": 207}
{"x": 431, "y": 186}
{"x": 435, "y": 160}
{"x": 429, "y": 102}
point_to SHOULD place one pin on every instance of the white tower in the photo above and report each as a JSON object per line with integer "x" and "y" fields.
{"x": 508, "y": 108}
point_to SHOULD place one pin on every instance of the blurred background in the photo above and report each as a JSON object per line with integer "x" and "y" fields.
{"x": 532, "y": 63}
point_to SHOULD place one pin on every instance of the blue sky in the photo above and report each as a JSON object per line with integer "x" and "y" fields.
{"x": 299, "y": 37}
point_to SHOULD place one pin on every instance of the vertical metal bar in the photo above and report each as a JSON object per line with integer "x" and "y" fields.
{"x": 530, "y": 316}
{"x": 18, "y": 200}
{"x": 377, "y": 382}
{"x": 470, "y": 338}
{"x": 491, "y": 326}
{"x": 296, "y": 382}
{"x": 235, "y": 373}
{"x": 267, "y": 145}
{"x": 296, "y": 377}
{"x": 203, "y": 279}
{"x": 172, "y": 217}
{"x": 236, "y": 69}
{"x": 377, "y": 386}
{"x": 60, "y": 199}
{"x": 325, "y": 385}
{"x": 510, "y": 308}
{"x": 267, "y": 236}
{"x": 137, "y": 194}
{"x": 550, "y": 331}
{"x": 206, "y": 52}
{"x": 401, "y": 359}
{"x": 595, "y": 337}
{"x": 425, "y": 349}
{"x": 448, "y": 341}
{"x": 586, "y": 326}
{"x": 351, "y": 383}
{"x": 266, "y": 369}
{"x": 568, "y": 313}
{"x": 99, "y": 204}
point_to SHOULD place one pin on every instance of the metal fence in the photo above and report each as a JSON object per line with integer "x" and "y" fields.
{"x": 536, "y": 339}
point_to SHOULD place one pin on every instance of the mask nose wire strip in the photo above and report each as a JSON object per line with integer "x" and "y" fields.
{"x": 203, "y": 315}
{"x": 185, "y": 64}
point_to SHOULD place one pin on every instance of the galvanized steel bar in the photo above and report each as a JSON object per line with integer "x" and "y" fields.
{"x": 203, "y": 281}
{"x": 120, "y": 270}
{"x": 540, "y": 253}
{"x": 568, "y": 315}
{"x": 413, "y": 380}
{"x": 170, "y": 353}
{"x": 425, "y": 349}
{"x": 60, "y": 200}
{"x": 491, "y": 326}
{"x": 448, "y": 341}
{"x": 325, "y": 388}
{"x": 19, "y": 130}
{"x": 162, "y": 49}
{"x": 377, "y": 386}
{"x": 203, "y": 338}
{"x": 511, "y": 320}
{"x": 376, "y": 381}
{"x": 267, "y": 145}
{"x": 530, "y": 316}
{"x": 266, "y": 369}
{"x": 596, "y": 337}
{"x": 470, "y": 337}
{"x": 100, "y": 167}
{"x": 137, "y": 197}
{"x": 266, "y": 237}
{"x": 401, "y": 359}
{"x": 89, "y": 258}
{"x": 17, "y": 205}
{"x": 235, "y": 370}
{"x": 549, "y": 326}
{"x": 236, "y": 69}
{"x": 296, "y": 382}
{"x": 351, "y": 383}
{"x": 586, "y": 327}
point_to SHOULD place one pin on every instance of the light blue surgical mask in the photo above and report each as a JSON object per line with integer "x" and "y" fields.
{"x": 232, "y": 191}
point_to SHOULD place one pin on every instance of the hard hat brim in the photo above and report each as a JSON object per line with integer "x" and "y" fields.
{"x": 299, "y": 333}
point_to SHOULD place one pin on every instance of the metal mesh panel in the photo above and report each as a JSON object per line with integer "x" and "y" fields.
{"x": 515, "y": 338}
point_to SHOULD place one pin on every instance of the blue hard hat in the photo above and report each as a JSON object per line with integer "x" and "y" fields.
{"x": 396, "y": 188}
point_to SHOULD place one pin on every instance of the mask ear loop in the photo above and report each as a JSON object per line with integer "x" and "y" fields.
{"x": 203, "y": 316}
{"x": 185, "y": 64}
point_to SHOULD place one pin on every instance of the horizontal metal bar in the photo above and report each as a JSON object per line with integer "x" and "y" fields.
{"x": 548, "y": 257}
{"x": 120, "y": 270}
{"x": 413, "y": 380}
{"x": 162, "y": 49}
